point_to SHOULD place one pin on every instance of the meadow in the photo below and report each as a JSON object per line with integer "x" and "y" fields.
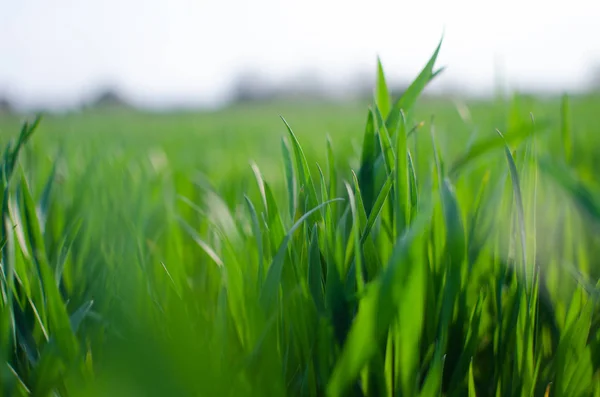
{"x": 412, "y": 246}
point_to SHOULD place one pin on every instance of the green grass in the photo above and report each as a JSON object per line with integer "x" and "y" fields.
{"x": 391, "y": 248}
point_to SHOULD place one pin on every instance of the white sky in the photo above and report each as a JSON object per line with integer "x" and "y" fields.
{"x": 55, "y": 51}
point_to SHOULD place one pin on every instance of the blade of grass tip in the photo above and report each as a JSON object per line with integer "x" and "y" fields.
{"x": 472, "y": 391}
{"x": 376, "y": 311}
{"x": 261, "y": 185}
{"x": 382, "y": 95}
{"x": 26, "y": 132}
{"x": 416, "y": 128}
{"x": 315, "y": 272}
{"x": 408, "y": 99}
{"x": 32, "y": 127}
{"x": 366, "y": 174}
{"x": 360, "y": 205}
{"x": 566, "y": 129}
{"x": 259, "y": 240}
{"x": 290, "y": 177}
{"x": 271, "y": 285}
{"x": 332, "y": 175}
{"x": 514, "y": 176}
{"x": 302, "y": 166}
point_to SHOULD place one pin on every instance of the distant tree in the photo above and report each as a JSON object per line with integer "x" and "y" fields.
{"x": 5, "y": 106}
{"x": 109, "y": 98}
{"x": 250, "y": 86}
{"x": 307, "y": 85}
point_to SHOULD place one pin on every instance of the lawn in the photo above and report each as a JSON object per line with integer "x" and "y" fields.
{"x": 414, "y": 247}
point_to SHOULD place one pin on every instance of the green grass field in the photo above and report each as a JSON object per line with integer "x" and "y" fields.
{"x": 405, "y": 247}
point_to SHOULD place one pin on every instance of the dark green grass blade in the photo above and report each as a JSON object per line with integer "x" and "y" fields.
{"x": 402, "y": 185}
{"x": 356, "y": 227}
{"x": 270, "y": 288}
{"x": 465, "y": 361}
{"x": 374, "y": 214}
{"x": 315, "y": 272}
{"x": 433, "y": 380}
{"x": 376, "y": 311}
{"x": 366, "y": 174}
{"x": 414, "y": 192}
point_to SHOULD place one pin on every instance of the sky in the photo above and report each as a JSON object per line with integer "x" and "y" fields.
{"x": 57, "y": 52}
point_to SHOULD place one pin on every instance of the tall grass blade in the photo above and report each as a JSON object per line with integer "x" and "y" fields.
{"x": 270, "y": 288}
{"x": 408, "y": 99}
{"x": 381, "y": 94}
{"x": 315, "y": 272}
{"x": 376, "y": 311}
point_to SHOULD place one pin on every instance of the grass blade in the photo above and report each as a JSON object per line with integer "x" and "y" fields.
{"x": 376, "y": 312}
{"x": 271, "y": 285}
{"x": 315, "y": 272}
{"x": 408, "y": 99}
{"x": 381, "y": 94}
